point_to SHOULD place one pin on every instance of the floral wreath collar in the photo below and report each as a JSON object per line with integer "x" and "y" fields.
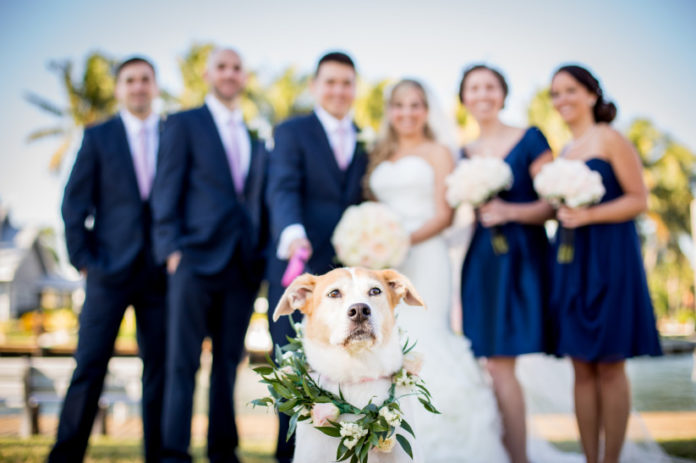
{"x": 295, "y": 393}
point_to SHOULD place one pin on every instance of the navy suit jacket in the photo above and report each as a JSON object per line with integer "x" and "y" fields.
{"x": 195, "y": 206}
{"x": 306, "y": 186}
{"x": 103, "y": 186}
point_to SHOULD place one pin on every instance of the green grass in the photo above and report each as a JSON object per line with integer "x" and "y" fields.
{"x": 108, "y": 450}
{"x": 101, "y": 450}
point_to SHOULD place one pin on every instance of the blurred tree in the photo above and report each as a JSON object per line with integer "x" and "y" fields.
{"x": 669, "y": 177}
{"x": 90, "y": 100}
{"x": 369, "y": 103}
{"x": 468, "y": 127}
{"x": 192, "y": 66}
{"x": 542, "y": 114}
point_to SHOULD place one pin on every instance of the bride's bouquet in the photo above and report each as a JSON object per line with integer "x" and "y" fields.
{"x": 370, "y": 235}
{"x": 477, "y": 180}
{"x": 572, "y": 183}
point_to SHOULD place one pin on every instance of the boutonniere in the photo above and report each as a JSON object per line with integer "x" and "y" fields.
{"x": 366, "y": 139}
{"x": 375, "y": 427}
{"x": 261, "y": 130}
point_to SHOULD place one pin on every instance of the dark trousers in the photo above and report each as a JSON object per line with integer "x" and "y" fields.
{"x": 100, "y": 319}
{"x": 200, "y": 305}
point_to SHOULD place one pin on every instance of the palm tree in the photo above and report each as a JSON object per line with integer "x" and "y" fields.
{"x": 89, "y": 100}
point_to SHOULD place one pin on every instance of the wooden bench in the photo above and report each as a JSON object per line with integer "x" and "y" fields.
{"x": 32, "y": 382}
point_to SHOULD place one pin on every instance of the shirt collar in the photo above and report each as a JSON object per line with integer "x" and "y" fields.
{"x": 134, "y": 124}
{"x": 330, "y": 123}
{"x": 222, "y": 113}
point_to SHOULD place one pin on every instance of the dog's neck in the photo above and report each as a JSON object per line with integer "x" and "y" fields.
{"x": 342, "y": 366}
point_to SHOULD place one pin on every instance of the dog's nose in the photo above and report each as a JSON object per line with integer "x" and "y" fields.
{"x": 359, "y": 312}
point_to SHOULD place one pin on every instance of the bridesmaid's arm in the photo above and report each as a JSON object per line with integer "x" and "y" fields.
{"x": 629, "y": 172}
{"x": 498, "y": 212}
{"x": 443, "y": 164}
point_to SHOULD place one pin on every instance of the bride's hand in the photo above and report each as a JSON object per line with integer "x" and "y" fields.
{"x": 494, "y": 212}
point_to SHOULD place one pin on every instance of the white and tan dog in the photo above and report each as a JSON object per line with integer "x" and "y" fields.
{"x": 351, "y": 340}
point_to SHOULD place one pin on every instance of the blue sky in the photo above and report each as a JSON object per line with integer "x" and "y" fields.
{"x": 643, "y": 52}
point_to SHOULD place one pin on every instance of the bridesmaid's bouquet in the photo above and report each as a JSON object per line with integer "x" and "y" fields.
{"x": 477, "y": 180}
{"x": 370, "y": 235}
{"x": 571, "y": 183}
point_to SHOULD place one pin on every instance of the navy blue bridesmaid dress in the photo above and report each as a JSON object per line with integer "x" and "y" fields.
{"x": 504, "y": 296}
{"x": 601, "y": 300}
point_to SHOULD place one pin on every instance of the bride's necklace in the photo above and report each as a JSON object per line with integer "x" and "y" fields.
{"x": 578, "y": 141}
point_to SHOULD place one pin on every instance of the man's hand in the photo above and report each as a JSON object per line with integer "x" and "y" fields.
{"x": 173, "y": 262}
{"x": 300, "y": 243}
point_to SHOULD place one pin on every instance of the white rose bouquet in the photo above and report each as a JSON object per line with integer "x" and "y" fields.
{"x": 370, "y": 235}
{"x": 477, "y": 180}
{"x": 569, "y": 182}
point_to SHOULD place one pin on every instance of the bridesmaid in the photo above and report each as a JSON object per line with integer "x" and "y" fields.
{"x": 604, "y": 310}
{"x": 503, "y": 295}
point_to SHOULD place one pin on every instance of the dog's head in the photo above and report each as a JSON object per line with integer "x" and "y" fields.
{"x": 351, "y": 308}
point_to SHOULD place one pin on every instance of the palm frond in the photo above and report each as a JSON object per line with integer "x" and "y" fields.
{"x": 46, "y": 132}
{"x": 44, "y": 104}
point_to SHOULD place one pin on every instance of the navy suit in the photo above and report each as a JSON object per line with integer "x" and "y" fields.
{"x": 116, "y": 251}
{"x": 221, "y": 236}
{"x": 306, "y": 186}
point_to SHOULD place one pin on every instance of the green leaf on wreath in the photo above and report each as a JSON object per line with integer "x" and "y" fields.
{"x": 404, "y": 445}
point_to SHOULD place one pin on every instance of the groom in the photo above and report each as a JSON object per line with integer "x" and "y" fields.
{"x": 315, "y": 173}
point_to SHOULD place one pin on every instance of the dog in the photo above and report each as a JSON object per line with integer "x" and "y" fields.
{"x": 351, "y": 342}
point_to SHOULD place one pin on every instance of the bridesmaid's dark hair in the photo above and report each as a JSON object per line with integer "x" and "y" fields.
{"x": 603, "y": 110}
{"x": 478, "y": 67}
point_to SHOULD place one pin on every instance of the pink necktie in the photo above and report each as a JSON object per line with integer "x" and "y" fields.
{"x": 341, "y": 158}
{"x": 234, "y": 157}
{"x": 143, "y": 169}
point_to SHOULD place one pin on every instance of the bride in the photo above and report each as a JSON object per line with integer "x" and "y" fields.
{"x": 406, "y": 172}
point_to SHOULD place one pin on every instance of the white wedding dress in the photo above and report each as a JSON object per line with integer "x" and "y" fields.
{"x": 469, "y": 428}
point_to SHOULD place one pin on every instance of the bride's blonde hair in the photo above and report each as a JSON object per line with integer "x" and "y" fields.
{"x": 388, "y": 142}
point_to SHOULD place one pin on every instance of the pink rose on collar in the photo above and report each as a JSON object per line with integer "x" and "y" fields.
{"x": 323, "y": 412}
{"x": 413, "y": 362}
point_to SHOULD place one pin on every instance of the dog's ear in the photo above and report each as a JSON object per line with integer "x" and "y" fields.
{"x": 296, "y": 296}
{"x": 401, "y": 288}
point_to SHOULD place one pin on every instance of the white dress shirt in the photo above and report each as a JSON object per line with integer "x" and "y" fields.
{"x": 133, "y": 127}
{"x": 222, "y": 116}
{"x": 331, "y": 127}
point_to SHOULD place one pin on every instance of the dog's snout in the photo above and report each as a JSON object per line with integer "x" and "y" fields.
{"x": 359, "y": 312}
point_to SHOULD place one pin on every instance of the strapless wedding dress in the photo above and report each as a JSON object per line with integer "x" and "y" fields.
{"x": 469, "y": 428}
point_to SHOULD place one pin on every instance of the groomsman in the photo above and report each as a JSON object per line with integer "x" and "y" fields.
{"x": 208, "y": 227}
{"x": 110, "y": 186}
{"x": 315, "y": 173}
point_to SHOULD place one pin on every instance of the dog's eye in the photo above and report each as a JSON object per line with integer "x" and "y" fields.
{"x": 374, "y": 291}
{"x": 334, "y": 293}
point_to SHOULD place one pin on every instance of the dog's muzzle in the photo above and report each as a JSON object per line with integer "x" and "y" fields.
{"x": 360, "y": 316}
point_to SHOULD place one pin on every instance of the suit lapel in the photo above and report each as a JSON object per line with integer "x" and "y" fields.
{"x": 354, "y": 173}
{"x": 123, "y": 150}
{"x": 255, "y": 164}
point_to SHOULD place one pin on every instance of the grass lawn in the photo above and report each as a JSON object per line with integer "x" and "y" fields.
{"x": 107, "y": 450}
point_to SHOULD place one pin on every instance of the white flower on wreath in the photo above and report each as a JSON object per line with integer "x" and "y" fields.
{"x": 391, "y": 416}
{"x": 352, "y": 432}
{"x": 404, "y": 379}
